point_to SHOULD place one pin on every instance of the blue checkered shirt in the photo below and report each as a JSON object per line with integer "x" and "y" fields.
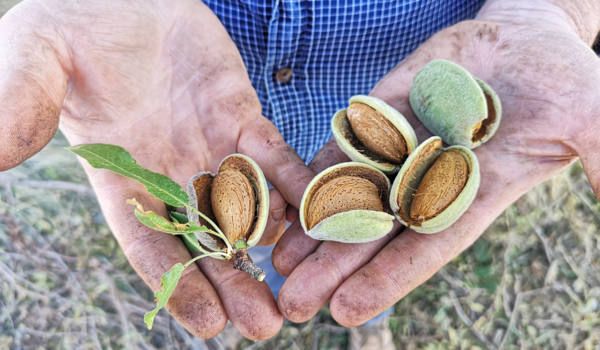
{"x": 335, "y": 49}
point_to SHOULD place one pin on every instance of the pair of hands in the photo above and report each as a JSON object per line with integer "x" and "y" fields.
{"x": 164, "y": 80}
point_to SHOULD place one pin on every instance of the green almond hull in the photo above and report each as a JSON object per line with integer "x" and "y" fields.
{"x": 450, "y": 102}
{"x": 263, "y": 205}
{"x": 190, "y": 246}
{"x": 341, "y": 128}
{"x": 393, "y": 116}
{"x": 339, "y": 125}
{"x": 454, "y": 211}
{"x": 353, "y": 226}
{"x": 262, "y": 195}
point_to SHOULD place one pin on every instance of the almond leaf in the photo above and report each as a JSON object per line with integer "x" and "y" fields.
{"x": 168, "y": 282}
{"x": 157, "y": 222}
{"x": 118, "y": 160}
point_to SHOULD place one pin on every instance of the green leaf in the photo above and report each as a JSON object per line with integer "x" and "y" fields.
{"x": 156, "y": 222}
{"x": 118, "y": 160}
{"x": 179, "y": 217}
{"x": 168, "y": 282}
{"x": 192, "y": 243}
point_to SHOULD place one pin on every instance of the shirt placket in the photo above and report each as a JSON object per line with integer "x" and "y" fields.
{"x": 284, "y": 65}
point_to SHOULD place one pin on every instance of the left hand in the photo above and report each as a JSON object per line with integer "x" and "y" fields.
{"x": 164, "y": 80}
{"x": 548, "y": 79}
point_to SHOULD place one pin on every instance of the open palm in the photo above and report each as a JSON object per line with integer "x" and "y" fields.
{"x": 547, "y": 78}
{"x": 164, "y": 80}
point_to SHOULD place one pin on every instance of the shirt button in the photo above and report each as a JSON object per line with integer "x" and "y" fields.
{"x": 284, "y": 75}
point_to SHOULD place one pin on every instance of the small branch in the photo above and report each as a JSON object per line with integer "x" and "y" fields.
{"x": 243, "y": 262}
{"x": 467, "y": 321}
{"x": 202, "y": 256}
{"x": 452, "y": 281}
{"x": 547, "y": 249}
{"x": 214, "y": 225}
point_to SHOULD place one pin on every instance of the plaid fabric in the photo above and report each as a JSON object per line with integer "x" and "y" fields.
{"x": 336, "y": 49}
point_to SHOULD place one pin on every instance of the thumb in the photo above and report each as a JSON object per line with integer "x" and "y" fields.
{"x": 33, "y": 84}
{"x": 294, "y": 246}
{"x": 261, "y": 140}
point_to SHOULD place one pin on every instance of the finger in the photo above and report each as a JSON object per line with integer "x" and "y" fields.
{"x": 291, "y": 214}
{"x": 295, "y": 245}
{"x": 276, "y": 222}
{"x": 33, "y": 85}
{"x": 305, "y": 292}
{"x": 261, "y": 140}
{"x": 194, "y": 303}
{"x": 330, "y": 154}
{"x": 411, "y": 258}
{"x": 249, "y": 304}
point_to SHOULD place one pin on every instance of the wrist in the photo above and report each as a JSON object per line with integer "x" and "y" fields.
{"x": 581, "y": 17}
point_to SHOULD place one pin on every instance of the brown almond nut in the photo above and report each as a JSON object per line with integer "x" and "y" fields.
{"x": 376, "y": 133}
{"x": 440, "y": 186}
{"x": 233, "y": 203}
{"x": 342, "y": 194}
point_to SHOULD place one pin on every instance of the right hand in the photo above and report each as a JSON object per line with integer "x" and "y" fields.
{"x": 548, "y": 80}
{"x": 164, "y": 80}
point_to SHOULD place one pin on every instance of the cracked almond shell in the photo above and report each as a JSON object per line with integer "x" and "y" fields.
{"x": 347, "y": 202}
{"x": 455, "y": 105}
{"x": 236, "y": 199}
{"x": 387, "y": 137}
{"x": 446, "y": 193}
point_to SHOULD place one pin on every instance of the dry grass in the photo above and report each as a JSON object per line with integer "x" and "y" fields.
{"x": 531, "y": 281}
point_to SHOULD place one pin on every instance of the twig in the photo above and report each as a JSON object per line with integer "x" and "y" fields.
{"x": 511, "y": 323}
{"x": 569, "y": 291}
{"x": 467, "y": 321}
{"x": 510, "y": 329}
{"x": 116, "y": 301}
{"x": 453, "y": 282}
{"x": 547, "y": 249}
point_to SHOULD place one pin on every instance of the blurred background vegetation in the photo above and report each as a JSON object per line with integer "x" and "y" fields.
{"x": 531, "y": 281}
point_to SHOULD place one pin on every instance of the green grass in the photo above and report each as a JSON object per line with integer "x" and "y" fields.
{"x": 531, "y": 281}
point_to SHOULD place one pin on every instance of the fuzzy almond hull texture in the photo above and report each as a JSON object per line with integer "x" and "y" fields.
{"x": 454, "y": 105}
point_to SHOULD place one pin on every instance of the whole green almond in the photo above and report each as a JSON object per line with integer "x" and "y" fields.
{"x": 435, "y": 186}
{"x": 455, "y": 105}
